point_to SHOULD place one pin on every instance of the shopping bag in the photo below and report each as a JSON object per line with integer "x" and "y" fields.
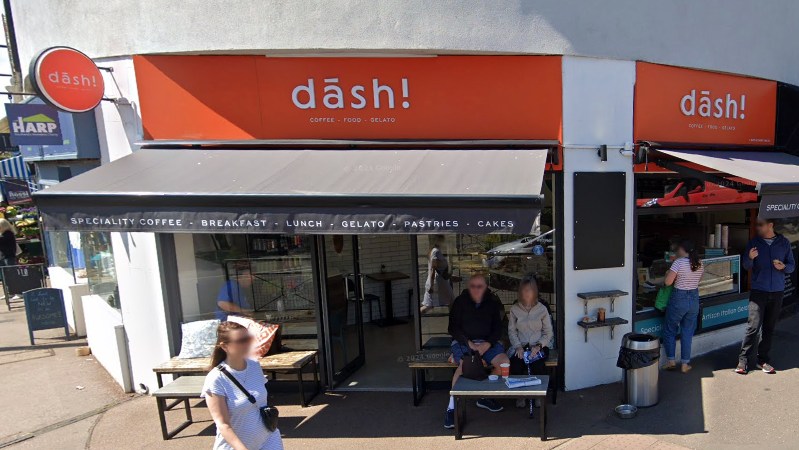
{"x": 662, "y": 299}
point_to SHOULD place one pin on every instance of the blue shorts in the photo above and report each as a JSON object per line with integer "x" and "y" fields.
{"x": 459, "y": 350}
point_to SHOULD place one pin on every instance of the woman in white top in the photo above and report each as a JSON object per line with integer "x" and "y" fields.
{"x": 530, "y": 327}
{"x": 238, "y": 421}
{"x": 682, "y": 311}
{"x": 438, "y": 278}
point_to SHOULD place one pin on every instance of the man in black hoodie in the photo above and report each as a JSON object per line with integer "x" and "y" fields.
{"x": 475, "y": 323}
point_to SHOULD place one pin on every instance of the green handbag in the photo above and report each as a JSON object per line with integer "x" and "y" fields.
{"x": 663, "y": 297}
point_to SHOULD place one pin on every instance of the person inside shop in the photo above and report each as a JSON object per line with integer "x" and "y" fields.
{"x": 8, "y": 243}
{"x": 530, "y": 333}
{"x": 437, "y": 287}
{"x": 768, "y": 255}
{"x": 475, "y": 323}
{"x": 232, "y": 298}
{"x": 682, "y": 311}
{"x": 239, "y": 425}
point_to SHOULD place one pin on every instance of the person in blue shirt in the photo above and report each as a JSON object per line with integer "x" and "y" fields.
{"x": 232, "y": 296}
{"x": 769, "y": 256}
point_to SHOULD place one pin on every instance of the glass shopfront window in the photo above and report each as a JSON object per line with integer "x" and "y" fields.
{"x": 59, "y": 250}
{"x": 718, "y": 218}
{"x": 268, "y": 277}
{"x": 503, "y": 259}
{"x": 790, "y": 229}
{"x": 99, "y": 268}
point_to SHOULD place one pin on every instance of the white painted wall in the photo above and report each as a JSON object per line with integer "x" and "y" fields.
{"x": 597, "y": 109}
{"x": 106, "y": 335}
{"x": 737, "y": 36}
{"x": 135, "y": 254}
{"x": 61, "y": 278}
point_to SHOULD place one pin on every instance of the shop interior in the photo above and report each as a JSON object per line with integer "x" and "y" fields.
{"x": 371, "y": 316}
{"x": 671, "y": 208}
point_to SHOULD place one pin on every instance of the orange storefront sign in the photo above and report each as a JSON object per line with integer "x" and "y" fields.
{"x": 690, "y": 106}
{"x": 256, "y": 97}
{"x": 66, "y": 79}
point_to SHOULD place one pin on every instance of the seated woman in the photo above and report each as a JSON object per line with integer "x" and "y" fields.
{"x": 529, "y": 325}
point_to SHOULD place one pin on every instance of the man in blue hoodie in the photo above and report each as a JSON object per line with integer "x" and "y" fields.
{"x": 769, "y": 257}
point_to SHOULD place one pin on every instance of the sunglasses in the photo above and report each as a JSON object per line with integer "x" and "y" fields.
{"x": 244, "y": 340}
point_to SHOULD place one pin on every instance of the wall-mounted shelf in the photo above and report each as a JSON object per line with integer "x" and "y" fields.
{"x": 609, "y": 322}
{"x": 612, "y": 295}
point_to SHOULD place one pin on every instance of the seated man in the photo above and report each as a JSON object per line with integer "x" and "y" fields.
{"x": 475, "y": 322}
{"x": 232, "y": 299}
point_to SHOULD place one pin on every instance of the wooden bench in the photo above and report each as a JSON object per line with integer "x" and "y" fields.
{"x": 180, "y": 390}
{"x": 286, "y": 362}
{"x": 434, "y": 359}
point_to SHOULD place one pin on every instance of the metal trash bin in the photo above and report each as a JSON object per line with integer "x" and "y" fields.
{"x": 638, "y": 356}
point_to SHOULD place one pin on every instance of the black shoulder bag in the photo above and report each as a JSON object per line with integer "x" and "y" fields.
{"x": 269, "y": 414}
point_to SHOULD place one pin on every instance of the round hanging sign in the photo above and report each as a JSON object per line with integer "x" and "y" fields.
{"x": 66, "y": 79}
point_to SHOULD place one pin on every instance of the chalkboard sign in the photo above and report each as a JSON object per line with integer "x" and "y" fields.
{"x": 21, "y": 278}
{"x": 45, "y": 310}
{"x": 600, "y": 199}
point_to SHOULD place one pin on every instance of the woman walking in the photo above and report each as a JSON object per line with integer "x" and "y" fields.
{"x": 529, "y": 327}
{"x": 239, "y": 425}
{"x": 682, "y": 311}
{"x": 8, "y": 243}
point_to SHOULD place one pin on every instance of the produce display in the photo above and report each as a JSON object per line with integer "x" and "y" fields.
{"x": 26, "y": 221}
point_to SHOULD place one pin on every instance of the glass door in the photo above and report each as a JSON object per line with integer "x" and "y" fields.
{"x": 342, "y": 294}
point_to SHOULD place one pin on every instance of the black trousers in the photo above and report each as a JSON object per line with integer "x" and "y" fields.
{"x": 764, "y": 311}
{"x": 518, "y": 367}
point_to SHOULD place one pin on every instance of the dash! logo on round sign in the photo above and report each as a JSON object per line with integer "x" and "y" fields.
{"x": 67, "y": 79}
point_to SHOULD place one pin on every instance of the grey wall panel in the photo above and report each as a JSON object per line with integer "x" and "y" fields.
{"x": 737, "y": 36}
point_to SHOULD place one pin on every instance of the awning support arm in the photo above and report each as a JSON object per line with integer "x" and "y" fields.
{"x": 693, "y": 173}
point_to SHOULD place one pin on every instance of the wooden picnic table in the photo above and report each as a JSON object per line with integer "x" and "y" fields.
{"x": 286, "y": 362}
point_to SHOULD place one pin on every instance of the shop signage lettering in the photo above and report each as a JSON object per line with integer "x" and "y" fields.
{"x": 650, "y": 326}
{"x": 679, "y": 105}
{"x": 443, "y": 97}
{"x": 67, "y": 80}
{"x": 779, "y": 206}
{"x": 15, "y": 192}
{"x": 304, "y": 96}
{"x": 33, "y": 124}
{"x": 725, "y": 313}
{"x": 720, "y": 107}
{"x": 291, "y": 221}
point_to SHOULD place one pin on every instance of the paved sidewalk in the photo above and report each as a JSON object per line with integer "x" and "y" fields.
{"x": 709, "y": 408}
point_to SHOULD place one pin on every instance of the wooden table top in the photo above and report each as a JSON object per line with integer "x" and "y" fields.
{"x": 277, "y": 362}
{"x": 438, "y": 358}
{"x": 465, "y": 387}
{"x": 191, "y": 386}
{"x": 388, "y": 276}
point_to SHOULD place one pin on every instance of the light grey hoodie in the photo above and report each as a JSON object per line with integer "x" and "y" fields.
{"x": 533, "y": 326}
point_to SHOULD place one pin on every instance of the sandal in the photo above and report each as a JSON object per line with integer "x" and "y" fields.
{"x": 669, "y": 367}
{"x": 686, "y": 368}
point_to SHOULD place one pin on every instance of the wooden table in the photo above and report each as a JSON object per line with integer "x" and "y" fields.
{"x": 286, "y": 362}
{"x": 182, "y": 389}
{"x": 387, "y": 278}
{"x": 438, "y": 358}
{"x": 465, "y": 388}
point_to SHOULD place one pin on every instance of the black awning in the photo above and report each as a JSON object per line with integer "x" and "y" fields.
{"x": 303, "y": 191}
{"x": 776, "y": 175}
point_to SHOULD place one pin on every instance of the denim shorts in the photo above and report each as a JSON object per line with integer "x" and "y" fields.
{"x": 459, "y": 350}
